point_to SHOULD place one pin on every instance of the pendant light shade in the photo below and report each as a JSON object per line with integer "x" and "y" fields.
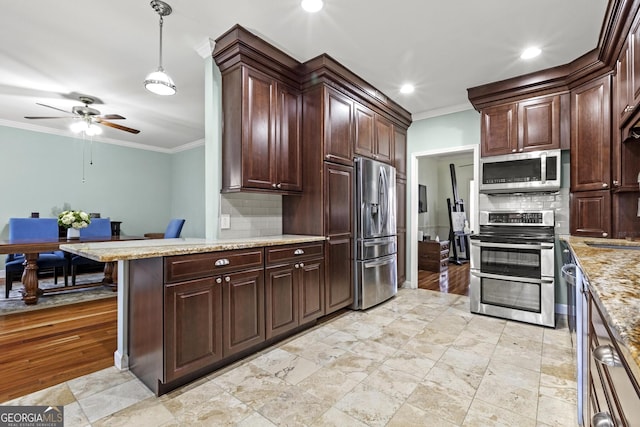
{"x": 158, "y": 81}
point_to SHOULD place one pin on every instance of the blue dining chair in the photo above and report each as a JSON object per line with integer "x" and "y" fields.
{"x": 99, "y": 228}
{"x": 34, "y": 229}
{"x": 174, "y": 228}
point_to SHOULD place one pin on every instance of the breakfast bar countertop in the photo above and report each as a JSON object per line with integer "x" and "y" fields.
{"x": 614, "y": 280}
{"x": 150, "y": 248}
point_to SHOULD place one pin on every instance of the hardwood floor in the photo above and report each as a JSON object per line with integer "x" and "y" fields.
{"x": 454, "y": 281}
{"x": 45, "y": 347}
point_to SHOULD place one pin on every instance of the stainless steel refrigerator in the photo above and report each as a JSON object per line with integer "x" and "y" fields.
{"x": 376, "y": 278}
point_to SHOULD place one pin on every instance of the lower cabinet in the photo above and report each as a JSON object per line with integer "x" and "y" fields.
{"x": 294, "y": 287}
{"x": 339, "y": 292}
{"x": 191, "y": 314}
{"x": 614, "y": 395}
{"x": 591, "y": 213}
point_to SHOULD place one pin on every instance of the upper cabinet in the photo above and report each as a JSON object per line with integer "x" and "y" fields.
{"x": 373, "y": 134}
{"x": 338, "y": 128}
{"x": 528, "y": 125}
{"x": 400, "y": 151}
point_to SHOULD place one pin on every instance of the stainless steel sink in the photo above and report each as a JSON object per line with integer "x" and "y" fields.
{"x": 612, "y": 246}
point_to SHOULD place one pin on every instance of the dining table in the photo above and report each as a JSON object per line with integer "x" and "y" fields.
{"x": 31, "y": 248}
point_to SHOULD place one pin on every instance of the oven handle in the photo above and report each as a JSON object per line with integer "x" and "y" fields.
{"x": 510, "y": 278}
{"x": 513, "y": 245}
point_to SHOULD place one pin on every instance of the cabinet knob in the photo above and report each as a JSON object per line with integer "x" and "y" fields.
{"x": 605, "y": 234}
{"x": 298, "y": 252}
{"x": 628, "y": 108}
{"x": 301, "y": 264}
{"x": 279, "y": 185}
{"x": 273, "y": 185}
{"x": 605, "y": 185}
{"x": 218, "y": 280}
{"x": 616, "y": 182}
{"x": 297, "y": 266}
{"x": 521, "y": 150}
{"x": 607, "y": 355}
{"x": 227, "y": 279}
{"x": 222, "y": 262}
{"x": 513, "y": 151}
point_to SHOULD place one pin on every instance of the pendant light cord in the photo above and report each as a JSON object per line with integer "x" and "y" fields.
{"x": 160, "y": 65}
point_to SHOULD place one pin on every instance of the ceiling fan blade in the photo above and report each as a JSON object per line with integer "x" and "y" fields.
{"x": 111, "y": 117}
{"x": 115, "y": 126}
{"x": 55, "y": 108}
{"x": 33, "y": 117}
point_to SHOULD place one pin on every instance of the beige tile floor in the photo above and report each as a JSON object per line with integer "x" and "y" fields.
{"x": 420, "y": 359}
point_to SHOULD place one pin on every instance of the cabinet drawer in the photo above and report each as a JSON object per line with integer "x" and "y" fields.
{"x": 186, "y": 267}
{"x": 279, "y": 254}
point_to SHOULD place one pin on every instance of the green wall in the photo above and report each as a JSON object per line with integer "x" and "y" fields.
{"x": 144, "y": 189}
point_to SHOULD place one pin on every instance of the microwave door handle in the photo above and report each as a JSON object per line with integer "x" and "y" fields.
{"x": 543, "y": 167}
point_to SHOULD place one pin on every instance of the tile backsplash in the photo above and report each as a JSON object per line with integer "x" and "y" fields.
{"x": 558, "y": 202}
{"x": 251, "y": 215}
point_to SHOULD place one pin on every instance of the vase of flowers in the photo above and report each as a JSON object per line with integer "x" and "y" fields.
{"x": 73, "y": 221}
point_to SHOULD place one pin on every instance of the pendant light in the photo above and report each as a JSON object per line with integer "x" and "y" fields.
{"x": 158, "y": 81}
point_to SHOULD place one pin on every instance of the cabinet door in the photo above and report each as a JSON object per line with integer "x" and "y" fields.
{"x": 634, "y": 41}
{"x": 499, "y": 130}
{"x": 400, "y": 151}
{"x": 591, "y": 213}
{"x": 539, "y": 124}
{"x": 193, "y": 326}
{"x": 281, "y": 295}
{"x": 311, "y": 290}
{"x": 622, "y": 85}
{"x": 591, "y": 135}
{"x": 338, "y": 273}
{"x": 364, "y": 120}
{"x": 338, "y": 199}
{"x": 243, "y": 308}
{"x": 337, "y": 132}
{"x": 383, "y": 144}
{"x": 289, "y": 142}
{"x": 258, "y": 133}
{"x": 402, "y": 257}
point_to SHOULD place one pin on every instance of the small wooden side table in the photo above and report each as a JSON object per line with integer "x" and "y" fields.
{"x": 433, "y": 256}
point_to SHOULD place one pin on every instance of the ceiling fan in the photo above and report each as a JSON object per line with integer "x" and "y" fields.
{"x": 89, "y": 115}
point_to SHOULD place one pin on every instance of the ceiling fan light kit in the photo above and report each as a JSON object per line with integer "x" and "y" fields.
{"x": 158, "y": 81}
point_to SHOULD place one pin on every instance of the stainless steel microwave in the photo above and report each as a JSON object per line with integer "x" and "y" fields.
{"x": 534, "y": 171}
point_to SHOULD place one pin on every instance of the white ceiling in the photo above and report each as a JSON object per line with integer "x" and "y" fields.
{"x": 53, "y": 50}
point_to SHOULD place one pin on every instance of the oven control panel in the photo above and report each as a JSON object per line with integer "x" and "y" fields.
{"x": 542, "y": 218}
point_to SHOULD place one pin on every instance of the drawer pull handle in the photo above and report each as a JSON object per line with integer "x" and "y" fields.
{"x": 298, "y": 252}
{"x": 607, "y": 355}
{"x": 222, "y": 262}
{"x": 602, "y": 419}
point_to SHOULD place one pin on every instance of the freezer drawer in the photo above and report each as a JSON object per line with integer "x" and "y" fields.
{"x": 376, "y": 248}
{"x": 376, "y": 281}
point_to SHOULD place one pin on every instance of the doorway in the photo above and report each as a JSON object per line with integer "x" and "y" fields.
{"x": 429, "y": 217}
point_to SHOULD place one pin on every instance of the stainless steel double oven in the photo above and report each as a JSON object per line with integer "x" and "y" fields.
{"x": 512, "y": 266}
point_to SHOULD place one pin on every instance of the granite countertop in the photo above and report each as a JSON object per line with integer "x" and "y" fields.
{"x": 614, "y": 279}
{"x": 150, "y": 248}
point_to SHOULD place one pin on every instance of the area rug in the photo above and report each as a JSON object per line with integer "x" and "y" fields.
{"x": 61, "y": 296}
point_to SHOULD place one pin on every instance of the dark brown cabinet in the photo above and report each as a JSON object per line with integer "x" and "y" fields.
{"x": 261, "y": 141}
{"x": 294, "y": 289}
{"x": 400, "y": 151}
{"x": 591, "y": 135}
{"x": 193, "y": 326}
{"x": 590, "y": 214}
{"x": 373, "y": 134}
{"x": 243, "y": 310}
{"x": 338, "y": 126}
{"x": 339, "y": 230}
{"x": 528, "y": 125}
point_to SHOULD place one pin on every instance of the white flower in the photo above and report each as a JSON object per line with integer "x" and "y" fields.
{"x": 75, "y": 219}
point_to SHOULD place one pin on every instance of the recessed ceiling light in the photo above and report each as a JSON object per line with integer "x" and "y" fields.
{"x": 407, "y": 88}
{"x": 530, "y": 52}
{"x": 311, "y": 6}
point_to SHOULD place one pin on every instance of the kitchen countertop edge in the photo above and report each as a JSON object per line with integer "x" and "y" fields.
{"x": 151, "y": 248}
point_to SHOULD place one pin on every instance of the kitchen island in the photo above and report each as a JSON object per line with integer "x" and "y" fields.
{"x": 611, "y": 268}
{"x": 169, "y": 290}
